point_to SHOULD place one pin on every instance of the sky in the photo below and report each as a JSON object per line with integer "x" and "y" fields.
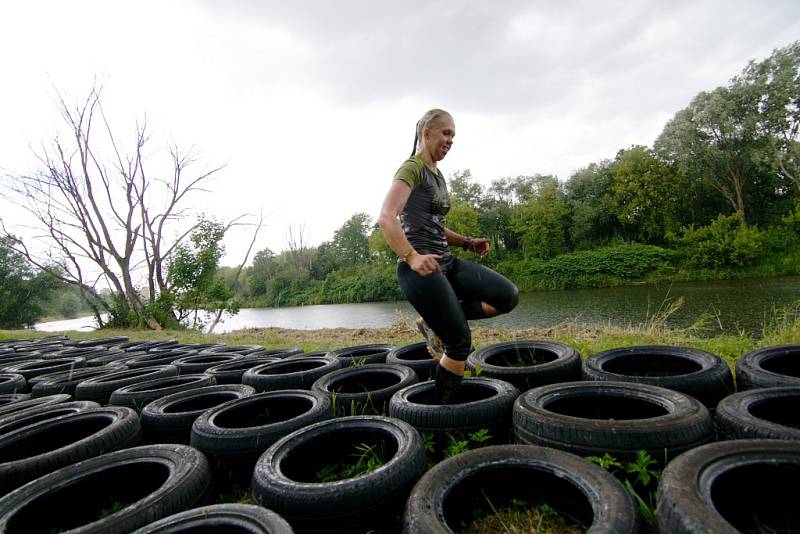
{"x": 311, "y": 105}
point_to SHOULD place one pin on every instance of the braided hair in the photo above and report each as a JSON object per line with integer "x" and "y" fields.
{"x": 428, "y": 119}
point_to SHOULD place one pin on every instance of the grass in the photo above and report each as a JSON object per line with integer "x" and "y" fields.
{"x": 521, "y": 518}
{"x": 366, "y": 459}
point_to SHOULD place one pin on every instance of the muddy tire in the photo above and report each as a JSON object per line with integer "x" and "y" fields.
{"x": 169, "y": 419}
{"x": 446, "y": 497}
{"x": 769, "y": 367}
{"x": 415, "y": 356}
{"x": 763, "y": 413}
{"x": 233, "y": 435}
{"x": 527, "y": 364}
{"x": 160, "y": 480}
{"x": 138, "y": 395}
{"x": 700, "y": 374}
{"x": 35, "y": 450}
{"x": 703, "y": 490}
{"x": 366, "y": 389}
{"x": 228, "y": 517}
{"x": 295, "y": 372}
{"x": 286, "y": 477}
{"x": 620, "y": 418}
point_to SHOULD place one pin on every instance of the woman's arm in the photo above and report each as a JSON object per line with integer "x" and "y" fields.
{"x": 478, "y": 245}
{"x": 393, "y": 204}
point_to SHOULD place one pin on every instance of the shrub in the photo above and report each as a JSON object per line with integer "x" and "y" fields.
{"x": 726, "y": 242}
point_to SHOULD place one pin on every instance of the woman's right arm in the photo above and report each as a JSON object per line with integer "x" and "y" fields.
{"x": 393, "y": 204}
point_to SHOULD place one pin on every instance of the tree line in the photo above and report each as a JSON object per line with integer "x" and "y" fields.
{"x": 717, "y": 195}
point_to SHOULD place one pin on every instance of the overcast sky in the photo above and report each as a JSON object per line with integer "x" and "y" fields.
{"x": 312, "y": 104}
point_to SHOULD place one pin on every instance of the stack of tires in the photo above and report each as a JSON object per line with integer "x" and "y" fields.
{"x": 187, "y": 425}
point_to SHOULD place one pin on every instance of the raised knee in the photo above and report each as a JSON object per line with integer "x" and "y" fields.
{"x": 511, "y": 300}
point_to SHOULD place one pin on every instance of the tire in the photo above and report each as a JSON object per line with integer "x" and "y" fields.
{"x": 703, "y": 490}
{"x": 100, "y": 388}
{"x": 67, "y": 381}
{"x": 12, "y": 383}
{"x": 155, "y": 359}
{"x": 84, "y": 352}
{"x": 232, "y": 372}
{"x": 362, "y": 354}
{"x": 137, "y": 396}
{"x": 228, "y": 517}
{"x": 447, "y": 498}
{"x": 7, "y": 399}
{"x": 26, "y": 403}
{"x": 35, "y": 450}
{"x": 416, "y": 357}
{"x": 101, "y": 342}
{"x": 144, "y": 346}
{"x": 763, "y": 413}
{"x": 198, "y": 363}
{"x": 365, "y": 389}
{"x": 169, "y": 419}
{"x": 769, "y": 367}
{"x": 233, "y": 435}
{"x": 700, "y": 374}
{"x": 151, "y": 482}
{"x": 35, "y": 414}
{"x": 112, "y": 358}
{"x": 240, "y": 350}
{"x": 33, "y": 369}
{"x": 295, "y": 372}
{"x": 285, "y": 476}
{"x": 485, "y": 404}
{"x": 620, "y": 418}
{"x": 528, "y": 363}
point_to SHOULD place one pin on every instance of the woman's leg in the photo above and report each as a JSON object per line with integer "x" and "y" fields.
{"x": 483, "y": 292}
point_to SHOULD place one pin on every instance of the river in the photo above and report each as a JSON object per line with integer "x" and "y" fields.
{"x": 728, "y": 305}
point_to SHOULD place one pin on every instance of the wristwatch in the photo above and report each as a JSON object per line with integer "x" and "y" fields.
{"x": 466, "y": 243}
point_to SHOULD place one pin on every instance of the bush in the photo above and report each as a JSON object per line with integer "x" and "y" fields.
{"x": 726, "y": 242}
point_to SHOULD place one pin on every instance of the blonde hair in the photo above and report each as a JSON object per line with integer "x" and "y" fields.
{"x": 428, "y": 120}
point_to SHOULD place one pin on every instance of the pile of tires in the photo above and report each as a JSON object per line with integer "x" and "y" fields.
{"x": 185, "y": 423}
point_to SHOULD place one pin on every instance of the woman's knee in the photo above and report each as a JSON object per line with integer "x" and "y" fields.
{"x": 509, "y": 301}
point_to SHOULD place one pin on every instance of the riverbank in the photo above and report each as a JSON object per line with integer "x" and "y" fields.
{"x": 783, "y": 328}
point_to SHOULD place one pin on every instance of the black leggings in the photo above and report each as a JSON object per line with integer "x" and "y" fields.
{"x": 446, "y": 300}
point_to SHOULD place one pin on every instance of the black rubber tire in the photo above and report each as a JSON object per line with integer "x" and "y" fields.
{"x": 7, "y": 399}
{"x": 139, "y": 395}
{"x": 703, "y": 375}
{"x": 415, "y": 356}
{"x": 527, "y": 363}
{"x": 362, "y": 354}
{"x": 769, "y": 367}
{"x": 38, "y": 449}
{"x": 112, "y": 358}
{"x": 285, "y": 477}
{"x": 12, "y": 383}
{"x": 448, "y": 495}
{"x": 36, "y": 368}
{"x": 154, "y": 359}
{"x": 153, "y": 482}
{"x": 144, "y": 346}
{"x": 730, "y": 487}
{"x": 232, "y": 372}
{"x": 35, "y": 414}
{"x": 25, "y": 403}
{"x": 67, "y": 381}
{"x": 366, "y": 389}
{"x": 484, "y": 403}
{"x": 233, "y": 435}
{"x": 621, "y": 418}
{"x": 198, "y": 363}
{"x": 100, "y": 388}
{"x": 228, "y": 517}
{"x": 84, "y": 352}
{"x": 102, "y": 341}
{"x": 240, "y": 350}
{"x": 169, "y": 419}
{"x": 763, "y": 413}
{"x": 295, "y": 372}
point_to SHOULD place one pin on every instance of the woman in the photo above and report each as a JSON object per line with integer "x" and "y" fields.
{"x": 445, "y": 290}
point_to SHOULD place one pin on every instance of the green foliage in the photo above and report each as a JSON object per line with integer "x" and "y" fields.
{"x": 456, "y": 444}
{"x": 541, "y": 221}
{"x": 726, "y": 242}
{"x": 367, "y": 459}
{"x": 23, "y": 291}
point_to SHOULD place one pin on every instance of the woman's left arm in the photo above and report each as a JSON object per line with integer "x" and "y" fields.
{"x": 478, "y": 245}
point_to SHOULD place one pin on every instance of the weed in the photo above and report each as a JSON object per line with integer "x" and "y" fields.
{"x": 428, "y": 441}
{"x": 115, "y": 507}
{"x": 367, "y": 459}
{"x": 474, "y": 440}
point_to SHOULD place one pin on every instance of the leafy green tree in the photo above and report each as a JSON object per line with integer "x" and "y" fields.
{"x": 23, "y": 291}
{"x": 351, "y": 241}
{"x": 591, "y": 221}
{"x": 542, "y": 220}
{"x": 379, "y": 248}
{"x": 463, "y": 189}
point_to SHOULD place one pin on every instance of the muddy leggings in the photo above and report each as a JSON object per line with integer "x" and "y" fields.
{"x": 446, "y": 300}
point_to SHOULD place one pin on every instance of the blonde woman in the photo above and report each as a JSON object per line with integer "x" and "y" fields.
{"x": 445, "y": 290}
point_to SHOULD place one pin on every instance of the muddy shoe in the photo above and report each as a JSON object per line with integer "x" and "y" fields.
{"x": 435, "y": 347}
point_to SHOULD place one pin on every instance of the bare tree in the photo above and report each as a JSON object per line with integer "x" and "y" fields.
{"x": 106, "y": 223}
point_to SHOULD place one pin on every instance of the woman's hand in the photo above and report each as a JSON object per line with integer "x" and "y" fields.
{"x": 424, "y": 264}
{"x": 479, "y": 246}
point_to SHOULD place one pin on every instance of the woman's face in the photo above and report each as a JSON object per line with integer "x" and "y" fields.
{"x": 439, "y": 137}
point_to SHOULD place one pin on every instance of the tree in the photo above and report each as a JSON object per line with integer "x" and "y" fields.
{"x": 351, "y": 240}
{"x": 23, "y": 291}
{"x": 464, "y": 190}
{"x": 591, "y": 222}
{"x": 106, "y": 217}
{"x": 542, "y": 220}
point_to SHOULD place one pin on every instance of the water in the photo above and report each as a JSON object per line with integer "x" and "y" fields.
{"x": 729, "y": 305}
